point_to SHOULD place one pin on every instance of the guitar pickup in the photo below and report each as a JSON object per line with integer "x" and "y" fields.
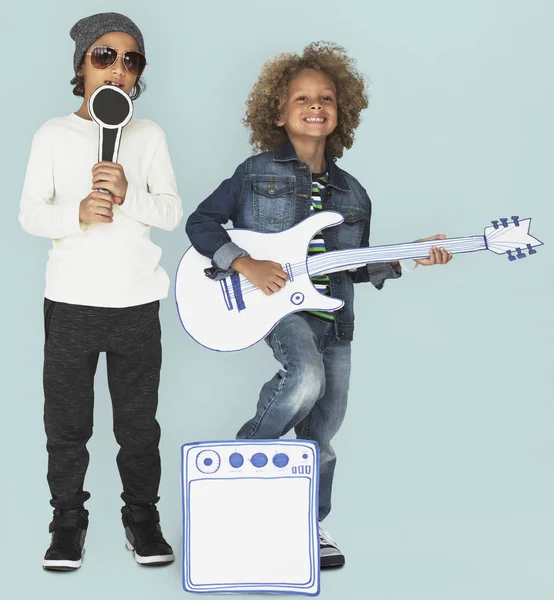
{"x": 288, "y": 270}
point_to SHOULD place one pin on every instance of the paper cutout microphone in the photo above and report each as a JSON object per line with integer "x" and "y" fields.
{"x": 111, "y": 108}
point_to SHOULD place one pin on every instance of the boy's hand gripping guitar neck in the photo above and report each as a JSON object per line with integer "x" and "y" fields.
{"x": 232, "y": 314}
{"x": 111, "y": 108}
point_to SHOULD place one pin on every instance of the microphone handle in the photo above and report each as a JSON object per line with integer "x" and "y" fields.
{"x": 109, "y": 144}
{"x": 108, "y": 147}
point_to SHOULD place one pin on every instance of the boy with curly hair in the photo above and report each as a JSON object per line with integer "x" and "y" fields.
{"x": 302, "y": 112}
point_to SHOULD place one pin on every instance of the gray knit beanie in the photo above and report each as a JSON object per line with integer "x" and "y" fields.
{"x": 88, "y": 30}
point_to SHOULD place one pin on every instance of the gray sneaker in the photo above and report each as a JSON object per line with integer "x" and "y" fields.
{"x": 144, "y": 535}
{"x": 68, "y": 530}
{"x": 330, "y": 555}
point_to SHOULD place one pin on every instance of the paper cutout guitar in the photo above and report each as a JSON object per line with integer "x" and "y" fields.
{"x": 232, "y": 314}
{"x": 111, "y": 108}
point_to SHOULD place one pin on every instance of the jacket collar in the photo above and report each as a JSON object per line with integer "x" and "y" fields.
{"x": 286, "y": 152}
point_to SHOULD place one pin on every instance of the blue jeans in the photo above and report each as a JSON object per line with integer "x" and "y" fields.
{"x": 310, "y": 392}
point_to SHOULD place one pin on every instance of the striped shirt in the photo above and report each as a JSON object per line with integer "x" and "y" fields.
{"x": 317, "y": 244}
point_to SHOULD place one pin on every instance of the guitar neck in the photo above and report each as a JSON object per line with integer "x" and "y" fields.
{"x": 342, "y": 260}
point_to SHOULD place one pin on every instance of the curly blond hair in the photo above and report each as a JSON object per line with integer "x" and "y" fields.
{"x": 269, "y": 93}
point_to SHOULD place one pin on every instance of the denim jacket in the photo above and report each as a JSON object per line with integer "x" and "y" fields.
{"x": 271, "y": 192}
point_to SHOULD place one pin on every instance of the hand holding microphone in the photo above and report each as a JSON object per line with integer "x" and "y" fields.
{"x": 97, "y": 207}
{"x": 110, "y": 177}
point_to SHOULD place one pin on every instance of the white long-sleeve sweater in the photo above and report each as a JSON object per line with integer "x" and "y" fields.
{"x": 101, "y": 264}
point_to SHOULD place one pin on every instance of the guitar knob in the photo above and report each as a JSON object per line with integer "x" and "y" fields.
{"x": 531, "y": 249}
{"x": 510, "y": 257}
{"x": 495, "y": 224}
{"x": 504, "y": 222}
{"x": 297, "y": 298}
{"x": 516, "y": 221}
{"x": 520, "y": 253}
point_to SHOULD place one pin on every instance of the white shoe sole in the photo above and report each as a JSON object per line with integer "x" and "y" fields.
{"x": 62, "y": 565}
{"x": 150, "y": 560}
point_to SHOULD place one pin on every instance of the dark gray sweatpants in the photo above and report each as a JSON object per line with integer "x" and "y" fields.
{"x": 74, "y": 337}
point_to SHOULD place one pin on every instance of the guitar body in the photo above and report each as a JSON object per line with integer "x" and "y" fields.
{"x": 231, "y": 314}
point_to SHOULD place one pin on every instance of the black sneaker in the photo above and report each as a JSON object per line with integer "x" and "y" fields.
{"x": 329, "y": 553}
{"x": 68, "y": 529}
{"x": 144, "y": 535}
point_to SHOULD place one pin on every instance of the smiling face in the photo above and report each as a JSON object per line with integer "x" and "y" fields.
{"x": 117, "y": 74}
{"x": 310, "y": 108}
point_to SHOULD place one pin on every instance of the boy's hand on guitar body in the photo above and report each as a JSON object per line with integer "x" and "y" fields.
{"x": 110, "y": 176}
{"x": 437, "y": 256}
{"x": 97, "y": 207}
{"x": 266, "y": 275}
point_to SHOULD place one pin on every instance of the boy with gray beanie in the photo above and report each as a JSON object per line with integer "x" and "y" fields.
{"x": 103, "y": 287}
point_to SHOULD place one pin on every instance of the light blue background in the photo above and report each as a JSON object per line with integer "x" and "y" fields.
{"x": 444, "y": 487}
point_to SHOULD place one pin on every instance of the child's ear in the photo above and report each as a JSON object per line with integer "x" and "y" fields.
{"x": 279, "y": 122}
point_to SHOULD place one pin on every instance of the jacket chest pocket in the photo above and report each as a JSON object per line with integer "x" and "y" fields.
{"x": 350, "y": 231}
{"x": 273, "y": 203}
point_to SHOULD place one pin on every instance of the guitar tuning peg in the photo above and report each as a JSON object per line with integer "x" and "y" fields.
{"x": 531, "y": 249}
{"x": 520, "y": 254}
{"x": 516, "y": 221}
{"x": 504, "y": 222}
{"x": 510, "y": 256}
{"x": 495, "y": 224}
